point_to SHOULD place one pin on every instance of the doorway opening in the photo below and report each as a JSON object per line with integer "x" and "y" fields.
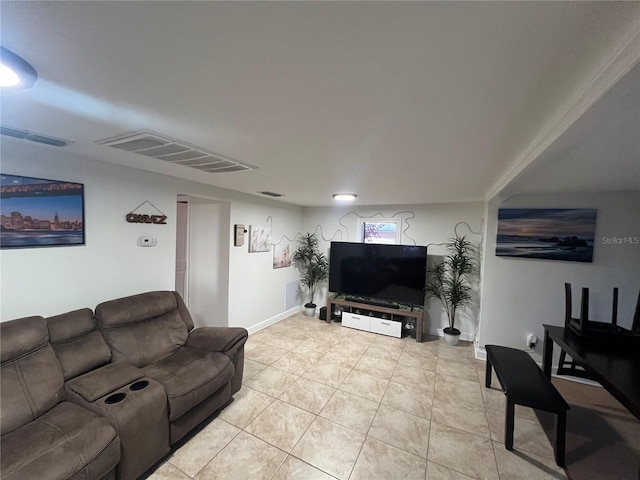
{"x": 202, "y": 259}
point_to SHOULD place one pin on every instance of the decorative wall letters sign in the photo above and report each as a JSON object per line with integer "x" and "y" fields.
{"x": 156, "y": 219}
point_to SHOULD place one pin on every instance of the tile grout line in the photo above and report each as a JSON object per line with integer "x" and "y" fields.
{"x": 484, "y": 404}
{"x": 373, "y": 419}
{"x": 352, "y": 368}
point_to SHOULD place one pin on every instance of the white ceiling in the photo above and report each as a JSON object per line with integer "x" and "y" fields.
{"x": 400, "y": 102}
{"x": 600, "y": 152}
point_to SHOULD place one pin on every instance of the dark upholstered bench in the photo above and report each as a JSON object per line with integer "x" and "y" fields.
{"x": 524, "y": 384}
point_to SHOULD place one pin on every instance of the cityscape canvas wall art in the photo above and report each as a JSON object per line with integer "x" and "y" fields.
{"x": 546, "y": 233}
{"x": 36, "y": 212}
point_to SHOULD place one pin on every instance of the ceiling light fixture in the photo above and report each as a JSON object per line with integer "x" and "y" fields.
{"x": 344, "y": 197}
{"x": 15, "y": 71}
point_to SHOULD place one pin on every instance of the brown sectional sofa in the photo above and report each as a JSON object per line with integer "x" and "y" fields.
{"x": 105, "y": 396}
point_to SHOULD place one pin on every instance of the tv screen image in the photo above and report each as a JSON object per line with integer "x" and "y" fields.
{"x": 393, "y": 273}
{"x": 37, "y": 212}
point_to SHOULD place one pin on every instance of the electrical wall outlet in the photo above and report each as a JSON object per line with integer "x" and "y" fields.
{"x": 532, "y": 340}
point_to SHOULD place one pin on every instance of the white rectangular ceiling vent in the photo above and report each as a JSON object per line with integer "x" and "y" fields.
{"x": 153, "y": 145}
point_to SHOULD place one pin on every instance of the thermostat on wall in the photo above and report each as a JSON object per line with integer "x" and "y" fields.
{"x": 147, "y": 241}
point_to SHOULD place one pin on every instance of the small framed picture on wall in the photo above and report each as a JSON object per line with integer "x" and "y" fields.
{"x": 281, "y": 256}
{"x": 259, "y": 238}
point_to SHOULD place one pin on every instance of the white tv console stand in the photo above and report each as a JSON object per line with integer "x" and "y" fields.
{"x": 388, "y": 321}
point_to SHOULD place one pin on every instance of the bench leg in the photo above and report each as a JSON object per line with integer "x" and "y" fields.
{"x": 487, "y": 375}
{"x": 508, "y": 425}
{"x": 561, "y": 428}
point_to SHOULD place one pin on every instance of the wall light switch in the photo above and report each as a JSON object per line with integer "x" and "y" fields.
{"x": 147, "y": 241}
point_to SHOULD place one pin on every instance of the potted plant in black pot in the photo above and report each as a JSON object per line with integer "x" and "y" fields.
{"x": 313, "y": 267}
{"x": 449, "y": 282}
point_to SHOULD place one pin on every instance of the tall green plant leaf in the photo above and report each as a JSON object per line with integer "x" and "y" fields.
{"x": 311, "y": 263}
{"x": 449, "y": 281}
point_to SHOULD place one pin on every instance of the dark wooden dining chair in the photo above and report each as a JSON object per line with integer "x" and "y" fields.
{"x": 570, "y": 367}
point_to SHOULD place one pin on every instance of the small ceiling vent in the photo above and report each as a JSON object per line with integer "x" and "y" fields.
{"x": 271, "y": 194}
{"x": 34, "y": 137}
{"x": 156, "y": 146}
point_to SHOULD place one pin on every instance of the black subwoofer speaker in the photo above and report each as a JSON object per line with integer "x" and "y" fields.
{"x": 323, "y": 313}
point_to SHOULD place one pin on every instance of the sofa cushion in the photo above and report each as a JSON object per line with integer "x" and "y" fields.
{"x": 77, "y": 342}
{"x": 189, "y": 376}
{"x": 66, "y": 442}
{"x": 31, "y": 380}
{"x": 22, "y": 336}
{"x": 142, "y": 329}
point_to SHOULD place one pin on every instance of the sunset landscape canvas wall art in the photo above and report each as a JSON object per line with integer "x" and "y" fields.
{"x": 546, "y": 233}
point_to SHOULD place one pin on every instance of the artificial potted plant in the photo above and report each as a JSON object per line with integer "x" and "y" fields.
{"x": 313, "y": 267}
{"x": 449, "y": 282}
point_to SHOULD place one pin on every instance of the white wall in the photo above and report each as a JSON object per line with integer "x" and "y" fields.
{"x": 53, "y": 280}
{"x": 520, "y": 295}
{"x": 49, "y": 281}
{"x": 208, "y": 271}
{"x": 256, "y": 290}
{"x": 421, "y": 225}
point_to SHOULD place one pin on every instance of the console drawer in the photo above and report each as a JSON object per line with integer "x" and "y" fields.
{"x": 386, "y": 327}
{"x": 352, "y": 320}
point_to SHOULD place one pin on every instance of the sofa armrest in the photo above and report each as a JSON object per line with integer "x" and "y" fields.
{"x": 98, "y": 383}
{"x": 218, "y": 339}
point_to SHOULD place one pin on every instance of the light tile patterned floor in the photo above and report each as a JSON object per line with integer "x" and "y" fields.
{"x": 320, "y": 401}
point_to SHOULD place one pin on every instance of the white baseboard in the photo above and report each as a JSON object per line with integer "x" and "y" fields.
{"x": 275, "y": 319}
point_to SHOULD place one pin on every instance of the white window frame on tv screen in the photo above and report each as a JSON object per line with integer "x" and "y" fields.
{"x": 381, "y": 230}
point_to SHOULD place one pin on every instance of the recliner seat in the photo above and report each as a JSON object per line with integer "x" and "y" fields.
{"x": 140, "y": 416}
{"x": 199, "y": 368}
{"x": 43, "y": 435}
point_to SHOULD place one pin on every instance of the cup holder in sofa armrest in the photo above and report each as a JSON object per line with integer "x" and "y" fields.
{"x": 139, "y": 385}
{"x": 104, "y": 380}
{"x": 115, "y": 398}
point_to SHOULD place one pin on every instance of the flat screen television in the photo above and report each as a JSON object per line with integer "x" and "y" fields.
{"x": 393, "y": 273}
